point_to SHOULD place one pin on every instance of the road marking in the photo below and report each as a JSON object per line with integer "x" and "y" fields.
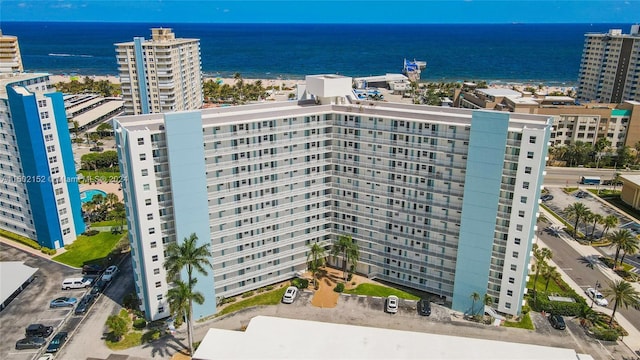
{"x": 566, "y": 269}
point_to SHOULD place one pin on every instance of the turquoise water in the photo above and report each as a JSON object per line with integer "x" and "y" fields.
{"x": 87, "y": 195}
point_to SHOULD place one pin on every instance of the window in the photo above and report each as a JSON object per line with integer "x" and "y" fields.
{"x": 515, "y": 254}
{"x": 517, "y": 241}
{"x": 161, "y": 308}
{"x": 66, "y": 231}
{"x": 140, "y": 141}
{"x": 153, "y": 244}
{"x": 519, "y": 227}
{"x": 154, "y": 258}
{"x": 64, "y": 221}
{"x": 521, "y": 213}
{"x": 509, "y": 292}
{"x": 48, "y": 137}
{"x": 145, "y": 187}
{"x": 46, "y": 126}
{"x": 60, "y": 201}
{"x": 51, "y": 148}
{"x": 152, "y": 231}
{"x": 525, "y": 185}
{"x": 507, "y": 305}
{"x": 527, "y": 169}
{"x": 532, "y": 139}
{"x": 59, "y": 191}
{"x": 147, "y": 202}
{"x": 514, "y": 267}
{"x": 156, "y": 271}
{"x": 512, "y": 280}
{"x": 53, "y": 159}
{"x": 523, "y": 199}
{"x": 145, "y": 172}
{"x": 55, "y": 170}
{"x": 149, "y": 216}
{"x": 159, "y": 297}
{"x": 158, "y": 284}
{"x": 529, "y": 154}
{"x": 143, "y": 157}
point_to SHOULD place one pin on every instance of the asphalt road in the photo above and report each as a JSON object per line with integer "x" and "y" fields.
{"x": 561, "y": 176}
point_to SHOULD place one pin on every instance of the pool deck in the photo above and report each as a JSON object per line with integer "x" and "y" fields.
{"x": 106, "y": 187}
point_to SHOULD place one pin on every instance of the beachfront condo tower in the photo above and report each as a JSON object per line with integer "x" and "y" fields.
{"x": 442, "y": 200}
{"x": 160, "y": 75}
{"x": 10, "y": 59}
{"x": 39, "y": 189}
{"x": 610, "y": 67}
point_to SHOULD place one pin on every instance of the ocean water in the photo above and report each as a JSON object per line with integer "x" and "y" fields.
{"x": 528, "y": 53}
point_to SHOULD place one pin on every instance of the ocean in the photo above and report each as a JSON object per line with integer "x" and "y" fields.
{"x": 522, "y": 53}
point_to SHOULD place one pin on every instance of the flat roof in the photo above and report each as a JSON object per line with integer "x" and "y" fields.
{"x": 6, "y": 79}
{"x": 634, "y": 179}
{"x": 12, "y": 275}
{"x": 277, "y": 338}
{"x": 97, "y": 112}
{"x": 500, "y": 92}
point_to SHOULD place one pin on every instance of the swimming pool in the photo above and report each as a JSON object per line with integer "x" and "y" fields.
{"x": 87, "y": 195}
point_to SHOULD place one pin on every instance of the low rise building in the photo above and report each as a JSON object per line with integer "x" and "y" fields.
{"x": 631, "y": 190}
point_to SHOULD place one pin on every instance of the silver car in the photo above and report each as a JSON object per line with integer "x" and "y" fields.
{"x": 290, "y": 295}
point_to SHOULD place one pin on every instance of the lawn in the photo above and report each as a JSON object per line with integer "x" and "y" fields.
{"x": 382, "y": 291}
{"x": 524, "y": 323}
{"x": 269, "y": 298}
{"x": 88, "y": 249}
{"x": 553, "y": 286}
{"x": 108, "y": 223}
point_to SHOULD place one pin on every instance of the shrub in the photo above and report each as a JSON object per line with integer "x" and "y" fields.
{"x": 21, "y": 239}
{"x": 339, "y": 288}
{"x": 130, "y": 301}
{"x": 605, "y": 334}
{"x": 91, "y": 232}
{"x": 300, "y": 283}
{"x": 350, "y": 276}
{"x": 268, "y": 288}
{"x": 140, "y": 324}
{"x": 47, "y": 251}
{"x": 525, "y": 309}
{"x": 248, "y": 294}
{"x": 151, "y": 335}
{"x": 542, "y": 303}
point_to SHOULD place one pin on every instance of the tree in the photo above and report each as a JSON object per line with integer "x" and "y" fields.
{"x": 349, "y": 250}
{"x": 104, "y": 129}
{"x": 629, "y": 247}
{"x": 625, "y": 156}
{"x": 620, "y": 239}
{"x": 117, "y": 325}
{"x": 488, "y": 300}
{"x": 587, "y": 316}
{"x": 622, "y": 293}
{"x": 597, "y": 219}
{"x": 192, "y": 257}
{"x": 181, "y": 297}
{"x": 549, "y": 273}
{"x": 474, "y": 297}
{"x": 610, "y": 221}
{"x": 601, "y": 145}
{"x": 576, "y": 211}
{"x": 315, "y": 259}
{"x": 112, "y": 199}
{"x": 541, "y": 255}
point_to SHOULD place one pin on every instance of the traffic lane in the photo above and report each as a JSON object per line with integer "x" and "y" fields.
{"x": 579, "y": 269}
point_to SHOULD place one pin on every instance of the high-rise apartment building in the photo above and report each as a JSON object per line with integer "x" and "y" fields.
{"x": 442, "y": 200}
{"x": 160, "y": 75}
{"x": 610, "y": 67}
{"x": 39, "y": 190}
{"x": 10, "y": 59}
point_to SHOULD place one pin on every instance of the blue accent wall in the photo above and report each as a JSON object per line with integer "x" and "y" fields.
{"x": 68, "y": 163}
{"x": 189, "y": 190}
{"x": 142, "y": 80}
{"x": 487, "y": 142}
{"x": 33, "y": 155}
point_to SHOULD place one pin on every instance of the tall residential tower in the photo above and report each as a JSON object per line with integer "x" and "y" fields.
{"x": 442, "y": 200}
{"x": 160, "y": 75}
{"x": 10, "y": 59}
{"x": 610, "y": 67}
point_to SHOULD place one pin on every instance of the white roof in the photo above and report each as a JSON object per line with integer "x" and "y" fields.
{"x": 634, "y": 179}
{"x": 276, "y": 338}
{"x": 12, "y": 275}
{"x": 500, "y": 92}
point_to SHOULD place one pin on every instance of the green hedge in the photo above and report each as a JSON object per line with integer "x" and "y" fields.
{"x": 339, "y": 288}
{"x": 542, "y": 303}
{"x": 47, "y": 251}
{"x": 21, "y": 239}
{"x": 605, "y": 334}
{"x": 300, "y": 283}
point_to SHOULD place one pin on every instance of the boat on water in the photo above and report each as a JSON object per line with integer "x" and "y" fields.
{"x": 413, "y": 69}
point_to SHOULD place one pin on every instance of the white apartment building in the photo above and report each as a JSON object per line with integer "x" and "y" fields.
{"x": 10, "y": 58}
{"x": 610, "y": 67}
{"x": 442, "y": 200}
{"x": 160, "y": 75}
{"x": 39, "y": 196}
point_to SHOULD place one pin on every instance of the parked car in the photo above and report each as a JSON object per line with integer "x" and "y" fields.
{"x": 92, "y": 269}
{"x": 46, "y": 357}
{"x": 597, "y": 297}
{"x": 290, "y": 295}
{"x": 32, "y": 342}
{"x": 424, "y": 307}
{"x": 582, "y": 194}
{"x": 110, "y": 273}
{"x": 35, "y": 330}
{"x": 84, "y": 304}
{"x": 98, "y": 288}
{"x": 546, "y": 197}
{"x": 557, "y": 322}
{"x": 63, "y": 302}
{"x": 392, "y": 304}
{"x": 76, "y": 283}
{"x": 57, "y": 342}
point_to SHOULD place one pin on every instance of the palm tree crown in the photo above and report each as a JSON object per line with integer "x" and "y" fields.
{"x": 623, "y": 294}
{"x": 576, "y": 211}
{"x": 349, "y": 250}
{"x": 622, "y": 239}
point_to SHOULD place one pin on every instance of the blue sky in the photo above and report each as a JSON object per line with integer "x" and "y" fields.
{"x": 324, "y": 11}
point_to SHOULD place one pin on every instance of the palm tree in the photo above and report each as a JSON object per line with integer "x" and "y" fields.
{"x": 180, "y": 298}
{"x": 629, "y": 247}
{"x": 315, "y": 259}
{"x": 192, "y": 257}
{"x": 541, "y": 255}
{"x": 349, "y": 250}
{"x": 597, "y": 219}
{"x": 620, "y": 239}
{"x": 610, "y": 221}
{"x": 576, "y": 211}
{"x": 587, "y": 316}
{"x": 112, "y": 199}
{"x": 488, "y": 300}
{"x": 549, "y": 273}
{"x": 474, "y": 297}
{"x": 622, "y": 293}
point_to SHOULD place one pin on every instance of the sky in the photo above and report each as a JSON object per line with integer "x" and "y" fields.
{"x": 324, "y": 11}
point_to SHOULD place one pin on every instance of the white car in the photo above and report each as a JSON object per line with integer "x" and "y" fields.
{"x": 290, "y": 295}
{"x": 597, "y": 297}
{"x": 392, "y": 304}
{"x": 110, "y": 273}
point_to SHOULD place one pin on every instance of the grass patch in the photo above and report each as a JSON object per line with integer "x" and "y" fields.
{"x": 19, "y": 238}
{"x": 524, "y": 323}
{"x": 569, "y": 190}
{"x": 617, "y": 202}
{"x": 604, "y": 192}
{"x": 103, "y": 175}
{"x": 268, "y": 298}
{"x": 129, "y": 340}
{"x": 88, "y": 249}
{"x": 554, "y": 287}
{"x": 382, "y": 291}
{"x": 108, "y": 223}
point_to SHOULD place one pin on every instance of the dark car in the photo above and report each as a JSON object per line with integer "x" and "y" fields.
{"x": 84, "y": 304}
{"x": 57, "y": 342}
{"x": 424, "y": 307}
{"x": 92, "y": 269}
{"x": 546, "y": 197}
{"x": 582, "y": 194}
{"x": 35, "y": 330}
{"x": 98, "y": 287}
{"x": 557, "y": 322}
{"x": 33, "y": 342}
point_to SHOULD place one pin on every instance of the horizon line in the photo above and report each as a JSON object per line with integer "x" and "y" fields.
{"x": 315, "y": 23}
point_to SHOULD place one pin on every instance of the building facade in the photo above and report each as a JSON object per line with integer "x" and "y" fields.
{"x": 39, "y": 197}
{"x": 160, "y": 75}
{"x": 610, "y": 67}
{"x": 10, "y": 58}
{"x": 442, "y": 200}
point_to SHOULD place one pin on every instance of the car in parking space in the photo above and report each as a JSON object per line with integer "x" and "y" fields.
{"x": 84, "y": 304}
{"x": 92, "y": 269}
{"x": 424, "y": 307}
{"x": 63, "y": 301}
{"x": 597, "y": 297}
{"x": 46, "y": 357}
{"x": 290, "y": 295}
{"x": 98, "y": 288}
{"x": 110, "y": 273}
{"x": 76, "y": 283}
{"x": 546, "y": 197}
{"x": 557, "y": 321}
{"x": 31, "y": 342}
{"x": 582, "y": 194}
{"x": 38, "y": 330}
{"x": 392, "y": 304}
{"x": 57, "y": 341}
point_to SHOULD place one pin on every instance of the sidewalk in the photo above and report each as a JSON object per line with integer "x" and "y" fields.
{"x": 632, "y": 341}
